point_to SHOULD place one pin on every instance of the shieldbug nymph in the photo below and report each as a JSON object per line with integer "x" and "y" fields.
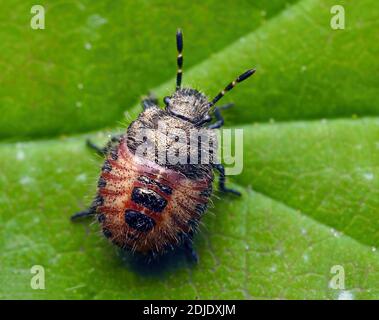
{"x": 145, "y": 205}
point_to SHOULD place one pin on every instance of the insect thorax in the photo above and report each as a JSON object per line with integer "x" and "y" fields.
{"x": 189, "y": 104}
{"x": 158, "y": 130}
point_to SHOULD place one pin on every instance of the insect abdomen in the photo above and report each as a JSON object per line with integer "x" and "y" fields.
{"x": 146, "y": 207}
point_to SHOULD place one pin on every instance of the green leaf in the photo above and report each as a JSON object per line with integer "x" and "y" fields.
{"x": 310, "y": 191}
{"x": 305, "y": 70}
{"x": 330, "y": 174}
{"x": 95, "y": 59}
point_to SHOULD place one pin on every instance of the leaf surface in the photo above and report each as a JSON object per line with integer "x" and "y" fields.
{"x": 310, "y": 181}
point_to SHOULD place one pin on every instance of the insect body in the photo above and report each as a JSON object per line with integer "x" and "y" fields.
{"x": 147, "y": 205}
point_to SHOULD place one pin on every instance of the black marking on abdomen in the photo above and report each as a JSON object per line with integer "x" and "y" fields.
{"x": 166, "y": 189}
{"x": 114, "y": 154}
{"x": 145, "y": 180}
{"x": 107, "y": 233}
{"x": 207, "y": 192}
{"x": 139, "y": 221}
{"x": 101, "y": 218}
{"x": 99, "y": 201}
{"x": 149, "y": 199}
{"x": 107, "y": 167}
{"x": 200, "y": 208}
{"x": 101, "y": 183}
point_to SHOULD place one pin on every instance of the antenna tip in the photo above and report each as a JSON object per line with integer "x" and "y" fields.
{"x": 179, "y": 39}
{"x": 246, "y": 75}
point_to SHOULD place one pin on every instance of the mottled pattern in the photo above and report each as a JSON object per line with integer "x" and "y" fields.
{"x": 165, "y": 125}
{"x": 189, "y": 103}
{"x": 159, "y": 230}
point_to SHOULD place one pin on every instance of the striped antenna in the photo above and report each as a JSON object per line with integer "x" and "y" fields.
{"x": 231, "y": 85}
{"x": 179, "y": 46}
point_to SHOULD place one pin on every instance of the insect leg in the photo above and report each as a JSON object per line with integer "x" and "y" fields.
{"x": 190, "y": 251}
{"x": 103, "y": 151}
{"x": 220, "y": 168}
{"x": 149, "y": 101}
{"x": 98, "y": 201}
{"x": 220, "y": 120}
{"x": 83, "y": 214}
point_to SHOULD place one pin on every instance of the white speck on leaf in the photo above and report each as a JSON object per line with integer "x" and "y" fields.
{"x": 368, "y": 176}
{"x": 78, "y": 104}
{"x": 335, "y": 233}
{"x": 273, "y": 268}
{"x": 373, "y": 249}
{"x": 20, "y": 155}
{"x": 26, "y": 180}
{"x": 80, "y": 86}
{"x": 345, "y": 295}
{"x": 96, "y": 21}
{"x": 81, "y": 177}
{"x": 88, "y": 46}
{"x": 279, "y": 252}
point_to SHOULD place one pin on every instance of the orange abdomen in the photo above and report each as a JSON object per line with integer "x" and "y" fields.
{"x": 146, "y": 207}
